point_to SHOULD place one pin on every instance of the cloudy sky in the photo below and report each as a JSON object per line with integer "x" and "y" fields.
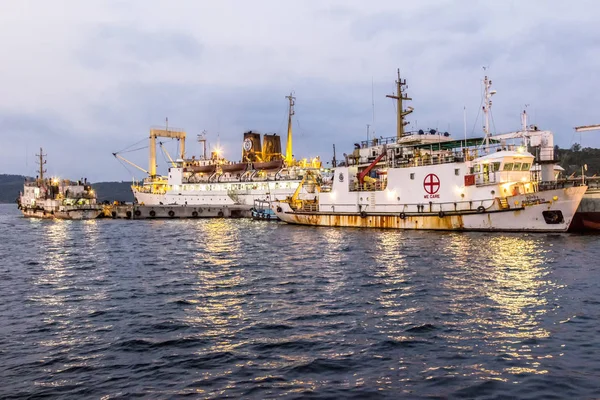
{"x": 84, "y": 79}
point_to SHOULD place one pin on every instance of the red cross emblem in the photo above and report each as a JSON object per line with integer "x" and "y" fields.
{"x": 431, "y": 183}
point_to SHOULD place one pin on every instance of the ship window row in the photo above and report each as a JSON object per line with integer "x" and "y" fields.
{"x": 237, "y": 186}
{"x": 517, "y": 167}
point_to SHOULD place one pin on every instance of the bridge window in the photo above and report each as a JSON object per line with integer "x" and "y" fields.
{"x": 517, "y": 166}
{"x": 508, "y": 166}
{"x": 525, "y": 166}
{"x": 496, "y": 166}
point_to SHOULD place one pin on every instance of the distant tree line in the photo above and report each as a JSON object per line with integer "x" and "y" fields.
{"x": 574, "y": 158}
{"x": 12, "y": 185}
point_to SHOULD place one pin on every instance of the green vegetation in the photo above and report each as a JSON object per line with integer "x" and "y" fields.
{"x": 574, "y": 158}
{"x": 12, "y": 185}
{"x": 113, "y": 191}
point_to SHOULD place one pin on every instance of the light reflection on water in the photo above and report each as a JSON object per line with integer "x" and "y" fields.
{"x": 242, "y": 309}
{"x": 502, "y": 290}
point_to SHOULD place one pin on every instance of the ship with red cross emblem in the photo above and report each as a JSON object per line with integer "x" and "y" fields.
{"x": 429, "y": 180}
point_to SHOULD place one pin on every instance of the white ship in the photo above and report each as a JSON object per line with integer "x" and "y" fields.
{"x": 422, "y": 180}
{"x": 57, "y": 198}
{"x": 212, "y": 186}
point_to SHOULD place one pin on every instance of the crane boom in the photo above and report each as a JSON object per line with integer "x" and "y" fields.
{"x": 167, "y": 153}
{"x": 586, "y": 128}
{"x": 365, "y": 172}
{"x": 129, "y": 162}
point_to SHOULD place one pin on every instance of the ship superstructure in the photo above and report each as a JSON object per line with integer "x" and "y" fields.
{"x": 213, "y": 186}
{"x": 45, "y": 197}
{"x": 428, "y": 180}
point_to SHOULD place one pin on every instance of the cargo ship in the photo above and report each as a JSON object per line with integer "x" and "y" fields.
{"x": 427, "y": 180}
{"x": 211, "y": 186}
{"x": 44, "y": 197}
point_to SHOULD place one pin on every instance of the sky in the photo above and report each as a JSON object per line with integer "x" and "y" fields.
{"x": 84, "y": 79}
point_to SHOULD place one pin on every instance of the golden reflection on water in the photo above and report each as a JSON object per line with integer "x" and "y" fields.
{"x": 218, "y": 303}
{"x": 511, "y": 272}
{"x": 392, "y": 272}
{"x": 56, "y": 235}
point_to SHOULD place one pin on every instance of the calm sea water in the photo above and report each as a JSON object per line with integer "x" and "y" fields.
{"x": 236, "y": 308}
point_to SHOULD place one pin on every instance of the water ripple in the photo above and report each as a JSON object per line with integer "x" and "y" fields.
{"x": 243, "y": 309}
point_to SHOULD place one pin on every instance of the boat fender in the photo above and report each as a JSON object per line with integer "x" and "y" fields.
{"x": 279, "y": 209}
{"x": 171, "y": 213}
{"x": 113, "y": 214}
{"x": 137, "y": 213}
{"x": 480, "y": 209}
{"x": 128, "y": 214}
{"x": 153, "y": 213}
{"x": 363, "y": 214}
{"x": 269, "y": 216}
{"x": 441, "y": 214}
{"x": 200, "y": 211}
{"x": 194, "y": 214}
{"x": 402, "y": 215}
{"x": 220, "y": 214}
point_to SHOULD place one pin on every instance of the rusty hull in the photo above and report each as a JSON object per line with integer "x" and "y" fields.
{"x": 431, "y": 222}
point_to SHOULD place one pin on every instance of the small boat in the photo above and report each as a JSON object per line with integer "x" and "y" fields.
{"x": 268, "y": 165}
{"x": 235, "y": 167}
{"x": 262, "y": 211}
{"x": 54, "y": 198}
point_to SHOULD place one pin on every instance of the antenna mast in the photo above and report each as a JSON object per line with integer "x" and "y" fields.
{"x": 41, "y": 162}
{"x": 487, "y": 107}
{"x": 288, "y": 147}
{"x": 202, "y": 139}
{"x": 401, "y": 113}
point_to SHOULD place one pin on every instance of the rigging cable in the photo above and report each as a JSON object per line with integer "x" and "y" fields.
{"x": 134, "y": 144}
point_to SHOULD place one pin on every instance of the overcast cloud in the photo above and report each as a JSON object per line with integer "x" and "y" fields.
{"x": 86, "y": 78}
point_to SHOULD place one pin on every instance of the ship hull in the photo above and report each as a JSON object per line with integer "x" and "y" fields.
{"x": 37, "y": 213}
{"x": 531, "y": 218}
{"x": 174, "y": 212}
{"x": 80, "y": 214}
{"x": 587, "y": 217}
{"x": 217, "y": 197}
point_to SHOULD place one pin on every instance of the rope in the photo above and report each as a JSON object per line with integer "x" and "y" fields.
{"x": 124, "y": 165}
{"x": 477, "y": 116}
{"x": 129, "y": 151}
{"x": 134, "y": 144}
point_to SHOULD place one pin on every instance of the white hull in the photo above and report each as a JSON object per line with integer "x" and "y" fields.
{"x": 528, "y": 218}
{"x": 215, "y": 197}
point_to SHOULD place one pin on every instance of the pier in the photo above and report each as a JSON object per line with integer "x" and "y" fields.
{"x": 140, "y": 211}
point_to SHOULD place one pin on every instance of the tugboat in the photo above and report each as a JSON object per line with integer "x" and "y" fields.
{"x": 427, "y": 180}
{"x": 55, "y": 198}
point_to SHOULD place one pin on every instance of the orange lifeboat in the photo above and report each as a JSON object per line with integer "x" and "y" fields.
{"x": 202, "y": 168}
{"x": 268, "y": 165}
{"x": 236, "y": 167}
